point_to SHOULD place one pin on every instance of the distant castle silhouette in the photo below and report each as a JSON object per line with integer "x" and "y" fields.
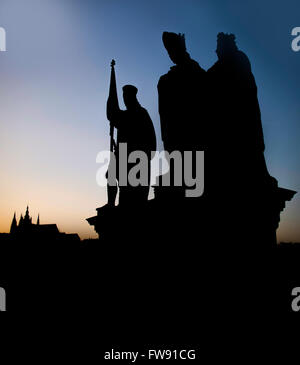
{"x": 25, "y": 229}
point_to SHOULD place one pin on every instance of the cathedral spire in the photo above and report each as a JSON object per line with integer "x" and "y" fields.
{"x": 27, "y": 218}
{"x": 21, "y": 220}
{"x": 13, "y": 226}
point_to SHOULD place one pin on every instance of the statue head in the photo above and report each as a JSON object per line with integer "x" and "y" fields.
{"x": 129, "y": 95}
{"x": 175, "y": 45}
{"x": 226, "y": 46}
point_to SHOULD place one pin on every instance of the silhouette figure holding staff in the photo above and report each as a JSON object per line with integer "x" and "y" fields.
{"x": 135, "y": 129}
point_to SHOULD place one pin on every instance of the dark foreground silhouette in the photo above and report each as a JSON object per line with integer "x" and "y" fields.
{"x": 181, "y": 260}
{"x": 176, "y": 268}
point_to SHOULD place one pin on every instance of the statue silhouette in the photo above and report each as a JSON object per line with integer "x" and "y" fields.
{"x": 184, "y": 260}
{"x": 237, "y": 171}
{"x": 181, "y": 94}
{"x": 135, "y": 128}
{"x": 236, "y": 128}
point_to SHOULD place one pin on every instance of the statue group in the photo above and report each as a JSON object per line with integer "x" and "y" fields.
{"x": 215, "y": 111}
{"x": 176, "y": 254}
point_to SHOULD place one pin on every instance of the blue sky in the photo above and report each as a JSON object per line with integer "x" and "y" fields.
{"x": 54, "y": 84}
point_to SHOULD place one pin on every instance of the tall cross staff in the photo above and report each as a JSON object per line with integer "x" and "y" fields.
{"x": 112, "y": 105}
{"x": 113, "y": 102}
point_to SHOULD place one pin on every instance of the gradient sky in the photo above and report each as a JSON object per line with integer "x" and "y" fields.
{"x": 54, "y": 82}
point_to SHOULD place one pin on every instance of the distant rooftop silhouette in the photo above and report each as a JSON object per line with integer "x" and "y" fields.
{"x": 43, "y": 232}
